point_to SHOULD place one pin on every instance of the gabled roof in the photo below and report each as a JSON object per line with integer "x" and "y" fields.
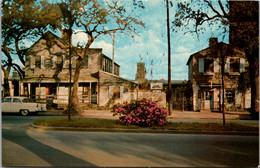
{"x": 211, "y": 47}
{"x": 48, "y": 35}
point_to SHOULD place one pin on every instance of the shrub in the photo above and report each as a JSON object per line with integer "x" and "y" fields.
{"x": 143, "y": 113}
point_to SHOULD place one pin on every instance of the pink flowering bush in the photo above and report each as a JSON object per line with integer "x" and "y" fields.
{"x": 143, "y": 113}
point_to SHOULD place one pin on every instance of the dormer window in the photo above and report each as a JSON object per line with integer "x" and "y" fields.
{"x": 38, "y": 61}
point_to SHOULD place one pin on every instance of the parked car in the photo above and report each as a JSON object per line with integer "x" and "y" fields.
{"x": 22, "y": 105}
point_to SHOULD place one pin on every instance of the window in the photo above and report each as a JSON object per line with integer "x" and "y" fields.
{"x": 208, "y": 65}
{"x": 38, "y": 61}
{"x": 59, "y": 61}
{"x": 85, "y": 62}
{"x": 234, "y": 65}
{"x": 230, "y": 94}
{"x": 26, "y": 100}
{"x": 8, "y": 100}
{"x": 53, "y": 61}
{"x": 15, "y": 100}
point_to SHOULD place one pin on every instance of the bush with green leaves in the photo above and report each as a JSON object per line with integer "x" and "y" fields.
{"x": 143, "y": 113}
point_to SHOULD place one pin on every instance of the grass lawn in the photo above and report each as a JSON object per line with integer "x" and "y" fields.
{"x": 105, "y": 123}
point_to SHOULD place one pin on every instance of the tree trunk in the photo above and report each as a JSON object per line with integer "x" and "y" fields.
{"x": 254, "y": 79}
{"x": 74, "y": 96}
{"x": 6, "y": 82}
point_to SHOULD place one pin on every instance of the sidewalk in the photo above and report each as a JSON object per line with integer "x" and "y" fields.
{"x": 176, "y": 115}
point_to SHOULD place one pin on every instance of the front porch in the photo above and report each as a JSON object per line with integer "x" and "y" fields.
{"x": 57, "y": 94}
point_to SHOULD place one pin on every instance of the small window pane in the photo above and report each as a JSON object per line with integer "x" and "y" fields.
{"x": 7, "y": 100}
{"x": 26, "y": 100}
{"x": 15, "y": 100}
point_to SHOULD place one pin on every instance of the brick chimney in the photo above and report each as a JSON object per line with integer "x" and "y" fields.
{"x": 213, "y": 41}
{"x": 65, "y": 34}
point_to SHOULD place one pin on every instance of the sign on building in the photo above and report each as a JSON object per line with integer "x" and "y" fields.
{"x": 156, "y": 86}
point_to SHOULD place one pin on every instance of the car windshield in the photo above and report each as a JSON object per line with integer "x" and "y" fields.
{"x": 26, "y": 100}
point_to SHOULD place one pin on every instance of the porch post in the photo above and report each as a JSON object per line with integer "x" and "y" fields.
{"x": 90, "y": 93}
{"x": 201, "y": 100}
{"x": 58, "y": 90}
{"x": 29, "y": 90}
{"x": 39, "y": 90}
{"x": 21, "y": 90}
{"x": 11, "y": 88}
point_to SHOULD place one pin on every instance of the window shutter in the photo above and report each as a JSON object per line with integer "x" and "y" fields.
{"x": 227, "y": 65}
{"x": 242, "y": 65}
{"x": 121, "y": 91}
{"x": 216, "y": 65}
{"x": 110, "y": 91}
{"x": 201, "y": 64}
{"x": 32, "y": 62}
{"x": 42, "y": 62}
{"x": 54, "y": 59}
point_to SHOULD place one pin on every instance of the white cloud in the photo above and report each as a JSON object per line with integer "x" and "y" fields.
{"x": 182, "y": 49}
{"x": 79, "y": 37}
{"x": 107, "y": 47}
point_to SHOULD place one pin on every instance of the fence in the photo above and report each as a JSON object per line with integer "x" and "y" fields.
{"x": 182, "y": 105}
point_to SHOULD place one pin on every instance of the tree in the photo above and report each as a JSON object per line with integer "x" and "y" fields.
{"x": 22, "y": 20}
{"x": 239, "y": 19}
{"x": 97, "y": 18}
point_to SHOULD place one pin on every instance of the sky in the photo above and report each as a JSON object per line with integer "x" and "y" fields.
{"x": 151, "y": 46}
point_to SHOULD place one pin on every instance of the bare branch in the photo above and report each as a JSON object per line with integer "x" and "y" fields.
{"x": 213, "y": 9}
{"x": 222, "y": 8}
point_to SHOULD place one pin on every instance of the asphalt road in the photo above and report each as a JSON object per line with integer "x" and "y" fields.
{"x": 25, "y": 146}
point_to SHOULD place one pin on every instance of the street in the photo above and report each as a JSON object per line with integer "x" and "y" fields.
{"x": 25, "y": 146}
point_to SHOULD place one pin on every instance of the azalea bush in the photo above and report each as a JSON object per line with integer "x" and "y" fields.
{"x": 143, "y": 113}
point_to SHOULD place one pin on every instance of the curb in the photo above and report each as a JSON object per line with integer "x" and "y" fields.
{"x": 147, "y": 130}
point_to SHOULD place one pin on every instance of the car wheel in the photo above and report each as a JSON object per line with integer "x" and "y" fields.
{"x": 24, "y": 112}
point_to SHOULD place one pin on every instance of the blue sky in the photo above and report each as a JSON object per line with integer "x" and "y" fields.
{"x": 150, "y": 46}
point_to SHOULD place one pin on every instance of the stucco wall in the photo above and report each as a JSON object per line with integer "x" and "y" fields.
{"x": 110, "y": 85}
{"x": 160, "y": 97}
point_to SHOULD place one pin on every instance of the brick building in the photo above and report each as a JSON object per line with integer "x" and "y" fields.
{"x": 204, "y": 68}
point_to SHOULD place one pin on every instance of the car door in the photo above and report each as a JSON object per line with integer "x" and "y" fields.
{"x": 6, "y": 104}
{"x": 16, "y": 105}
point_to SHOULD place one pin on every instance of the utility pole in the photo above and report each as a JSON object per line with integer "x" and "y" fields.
{"x": 113, "y": 52}
{"x": 169, "y": 94}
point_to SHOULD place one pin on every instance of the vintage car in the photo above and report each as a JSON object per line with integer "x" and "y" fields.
{"x": 22, "y": 105}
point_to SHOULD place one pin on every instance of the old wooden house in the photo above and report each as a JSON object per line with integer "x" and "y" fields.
{"x": 204, "y": 68}
{"x": 47, "y": 74}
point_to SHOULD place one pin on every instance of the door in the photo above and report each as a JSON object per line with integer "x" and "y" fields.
{"x": 208, "y": 97}
{"x": 16, "y": 105}
{"x": 94, "y": 93}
